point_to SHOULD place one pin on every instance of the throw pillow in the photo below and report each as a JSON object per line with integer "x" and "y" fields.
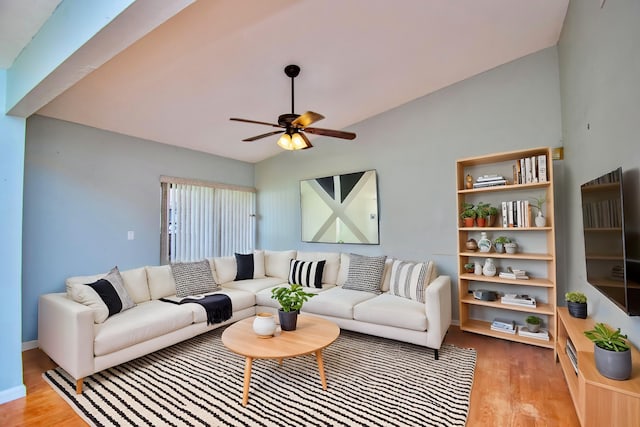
{"x": 112, "y": 292}
{"x": 244, "y": 263}
{"x": 408, "y": 280}
{"x": 365, "y": 273}
{"x": 306, "y": 273}
{"x": 193, "y": 278}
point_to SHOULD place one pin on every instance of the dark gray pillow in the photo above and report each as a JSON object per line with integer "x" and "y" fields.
{"x": 365, "y": 273}
{"x": 244, "y": 263}
{"x": 193, "y": 278}
{"x": 112, "y": 292}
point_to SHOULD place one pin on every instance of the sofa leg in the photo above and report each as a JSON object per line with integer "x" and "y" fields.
{"x": 79, "y": 386}
{"x": 435, "y": 353}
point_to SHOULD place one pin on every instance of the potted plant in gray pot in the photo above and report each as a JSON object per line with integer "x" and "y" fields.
{"x": 291, "y": 298}
{"x": 577, "y": 304}
{"x": 533, "y": 323}
{"x": 499, "y": 243}
{"x": 611, "y": 352}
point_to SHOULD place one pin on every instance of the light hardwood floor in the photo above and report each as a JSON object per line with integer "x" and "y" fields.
{"x": 514, "y": 385}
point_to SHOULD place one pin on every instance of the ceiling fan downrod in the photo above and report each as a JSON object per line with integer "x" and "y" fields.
{"x": 292, "y": 71}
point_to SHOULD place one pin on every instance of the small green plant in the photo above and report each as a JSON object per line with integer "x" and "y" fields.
{"x": 291, "y": 298}
{"x": 578, "y": 297}
{"x": 502, "y": 240}
{"x": 533, "y": 320}
{"x": 468, "y": 211}
{"x": 607, "y": 339}
{"x": 482, "y": 210}
{"x": 493, "y": 211}
{"x": 469, "y": 266}
{"x": 538, "y": 202}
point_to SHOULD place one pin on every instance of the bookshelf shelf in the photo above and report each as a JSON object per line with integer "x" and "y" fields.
{"x": 539, "y": 242}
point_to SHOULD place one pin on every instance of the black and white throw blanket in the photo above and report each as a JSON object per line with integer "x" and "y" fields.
{"x": 217, "y": 306}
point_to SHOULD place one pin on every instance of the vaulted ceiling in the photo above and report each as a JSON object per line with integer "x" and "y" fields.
{"x": 214, "y": 60}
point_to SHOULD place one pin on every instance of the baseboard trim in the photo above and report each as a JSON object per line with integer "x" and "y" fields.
{"x": 29, "y": 345}
{"x": 12, "y": 393}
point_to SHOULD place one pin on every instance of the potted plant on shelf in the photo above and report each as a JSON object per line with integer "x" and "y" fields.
{"x": 469, "y": 267}
{"x": 511, "y": 247}
{"x": 493, "y": 216}
{"x": 611, "y": 352}
{"x": 482, "y": 213}
{"x": 577, "y": 304}
{"x": 533, "y": 323}
{"x": 291, "y": 298}
{"x": 499, "y": 243}
{"x": 538, "y": 203}
{"x": 468, "y": 214}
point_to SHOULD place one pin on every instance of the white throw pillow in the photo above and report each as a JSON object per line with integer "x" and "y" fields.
{"x": 161, "y": 283}
{"x": 409, "y": 279}
{"x": 226, "y": 269}
{"x": 331, "y": 266}
{"x": 276, "y": 263}
{"x": 258, "y": 264}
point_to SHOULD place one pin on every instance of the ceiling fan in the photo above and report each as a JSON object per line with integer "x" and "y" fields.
{"x": 295, "y": 125}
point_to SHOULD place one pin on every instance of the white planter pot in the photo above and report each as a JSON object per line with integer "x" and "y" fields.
{"x": 264, "y": 325}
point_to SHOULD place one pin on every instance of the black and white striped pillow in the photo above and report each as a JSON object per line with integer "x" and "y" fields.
{"x": 408, "y": 280}
{"x": 112, "y": 292}
{"x": 306, "y": 273}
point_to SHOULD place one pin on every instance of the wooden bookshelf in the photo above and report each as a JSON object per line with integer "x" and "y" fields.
{"x": 598, "y": 400}
{"x": 537, "y": 250}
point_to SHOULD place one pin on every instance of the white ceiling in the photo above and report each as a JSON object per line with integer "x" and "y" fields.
{"x": 218, "y": 59}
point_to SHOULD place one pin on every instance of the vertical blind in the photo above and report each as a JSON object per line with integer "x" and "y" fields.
{"x": 201, "y": 221}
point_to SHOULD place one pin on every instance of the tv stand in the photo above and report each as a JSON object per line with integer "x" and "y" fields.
{"x": 598, "y": 400}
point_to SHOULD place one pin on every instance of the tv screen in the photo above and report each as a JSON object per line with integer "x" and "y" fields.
{"x": 608, "y": 239}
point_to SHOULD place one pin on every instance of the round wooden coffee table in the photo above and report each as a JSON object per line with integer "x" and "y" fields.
{"x": 312, "y": 335}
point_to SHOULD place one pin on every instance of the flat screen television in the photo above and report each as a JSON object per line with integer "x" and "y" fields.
{"x": 611, "y": 240}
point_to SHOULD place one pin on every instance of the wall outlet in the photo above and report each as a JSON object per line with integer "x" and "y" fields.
{"x": 131, "y": 235}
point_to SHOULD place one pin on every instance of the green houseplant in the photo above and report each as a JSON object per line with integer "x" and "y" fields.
{"x": 493, "y": 216}
{"x": 482, "y": 213}
{"x": 533, "y": 323}
{"x": 576, "y": 304}
{"x": 499, "y": 243}
{"x": 538, "y": 203}
{"x": 611, "y": 351}
{"x": 468, "y": 214}
{"x": 291, "y": 298}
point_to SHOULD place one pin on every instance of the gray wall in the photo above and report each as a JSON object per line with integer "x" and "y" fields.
{"x": 414, "y": 149}
{"x": 600, "y": 90}
{"x": 84, "y": 190}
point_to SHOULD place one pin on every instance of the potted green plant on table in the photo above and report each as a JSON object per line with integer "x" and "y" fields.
{"x": 291, "y": 298}
{"x": 576, "y": 304}
{"x": 468, "y": 214}
{"x": 611, "y": 352}
{"x": 534, "y": 323}
{"x": 499, "y": 242}
{"x": 482, "y": 213}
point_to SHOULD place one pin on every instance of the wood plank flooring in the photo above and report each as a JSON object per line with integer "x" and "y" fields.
{"x": 515, "y": 385}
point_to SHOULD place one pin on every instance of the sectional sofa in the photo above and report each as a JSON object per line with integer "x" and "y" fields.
{"x": 77, "y": 333}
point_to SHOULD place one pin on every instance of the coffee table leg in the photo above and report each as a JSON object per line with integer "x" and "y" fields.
{"x": 247, "y": 380}
{"x": 323, "y": 379}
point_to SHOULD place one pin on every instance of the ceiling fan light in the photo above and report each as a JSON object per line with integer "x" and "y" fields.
{"x": 298, "y": 142}
{"x": 285, "y": 142}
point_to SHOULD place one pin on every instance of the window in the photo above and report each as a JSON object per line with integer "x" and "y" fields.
{"x": 201, "y": 220}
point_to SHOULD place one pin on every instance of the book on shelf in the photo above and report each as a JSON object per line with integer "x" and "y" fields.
{"x": 513, "y": 273}
{"x": 515, "y": 299}
{"x": 542, "y": 168}
{"x": 490, "y": 177}
{"x": 506, "y": 331}
{"x": 494, "y": 183}
{"x": 530, "y": 170}
{"x": 508, "y": 325}
{"x": 542, "y": 334}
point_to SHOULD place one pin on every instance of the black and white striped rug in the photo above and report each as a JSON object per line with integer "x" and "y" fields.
{"x": 371, "y": 382}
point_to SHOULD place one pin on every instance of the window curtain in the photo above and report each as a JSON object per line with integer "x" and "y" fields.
{"x": 202, "y": 221}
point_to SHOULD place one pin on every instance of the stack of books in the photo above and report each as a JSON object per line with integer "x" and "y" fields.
{"x": 542, "y": 334}
{"x": 571, "y": 352}
{"x": 507, "y": 326}
{"x": 516, "y": 299}
{"x": 489, "y": 181}
{"x": 530, "y": 170}
{"x": 513, "y": 273}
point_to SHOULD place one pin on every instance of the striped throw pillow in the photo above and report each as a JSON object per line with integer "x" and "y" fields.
{"x": 365, "y": 273}
{"x": 306, "y": 273}
{"x": 408, "y": 280}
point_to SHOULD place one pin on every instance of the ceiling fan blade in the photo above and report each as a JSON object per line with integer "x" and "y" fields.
{"x": 306, "y": 119}
{"x": 306, "y": 141}
{"x": 264, "y": 135}
{"x": 255, "y": 121}
{"x": 331, "y": 133}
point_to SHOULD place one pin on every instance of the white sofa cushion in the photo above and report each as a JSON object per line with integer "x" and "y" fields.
{"x": 336, "y": 302}
{"x": 409, "y": 279}
{"x": 135, "y": 281}
{"x": 258, "y": 264}
{"x": 331, "y": 267}
{"x": 276, "y": 263}
{"x": 254, "y": 285}
{"x": 343, "y": 272}
{"x": 148, "y": 320}
{"x": 225, "y": 269}
{"x": 161, "y": 283}
{"x": 384, "y": 310}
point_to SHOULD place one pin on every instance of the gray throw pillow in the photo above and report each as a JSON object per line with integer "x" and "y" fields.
{"x": 193, "y": 278}
{"x": 365, "y": 273}
{"x": 112, "y": 292}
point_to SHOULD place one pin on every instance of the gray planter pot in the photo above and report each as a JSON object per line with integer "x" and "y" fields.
{"x": 615, "y": 365}
{"x": 288, "y": 320}
{"x": 577, "y": 309}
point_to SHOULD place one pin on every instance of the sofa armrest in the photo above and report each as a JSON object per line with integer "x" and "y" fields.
{"x": 65, "y": 333}
{"x": 438, "y": 310}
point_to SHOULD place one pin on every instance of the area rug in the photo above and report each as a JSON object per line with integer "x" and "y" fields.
{"x": 371, "y": 382}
